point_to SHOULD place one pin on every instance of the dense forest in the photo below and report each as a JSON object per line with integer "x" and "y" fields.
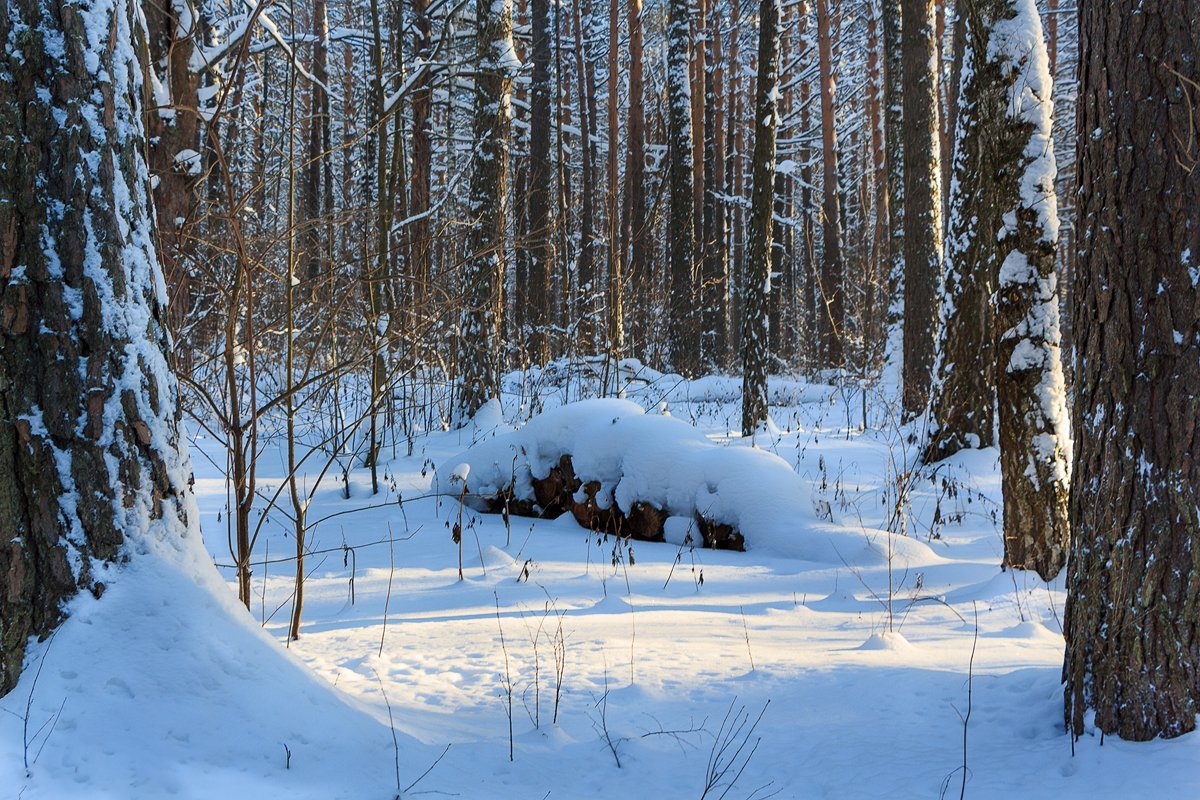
{"x": 931, "y": 267}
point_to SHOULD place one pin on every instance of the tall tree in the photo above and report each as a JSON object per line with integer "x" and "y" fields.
{"x": 88, "y": 401}
{"x": 833, "y": 303}
{"x": 480, "y": 326}
{"x": 616, "y": 253}
{"x": 756, "y": 347}
{"x": 922, "y": 200}
{"x": 1133, "y": 619}
{"x": 713, "y": 280}
{"x": 635, "y": 221}
{"x": 684, "y": 348}
{"x": 893, "y": 115}
{"x": 1004, "y": 232}
{"x": 541, "y": 225}
{"x": 173, "y": 31}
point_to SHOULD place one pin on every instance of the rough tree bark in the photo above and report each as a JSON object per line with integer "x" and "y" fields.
{"x": 480, "y": 324}
{"x": 635, "y": 218}
{"x": 88, "y": 402}
{"x": 173, "y": 135}
{"x": 756, "y": 349}
{"x": 833, "y": 303}
{"x": 1133, "y": 608}
{"x": 541, "y": 225}
{"x": 922, "y": 202}
{"x": 893, "y": 116}
{"x": 684, "y": 349}
{"x": 1004, "y": 235}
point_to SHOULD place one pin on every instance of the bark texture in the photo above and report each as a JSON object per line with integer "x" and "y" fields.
{"x": 922, "y": 201}
{"x": 88, "y": 405}
{"x": 681, "y": 232}
{"x": 756, "y": 351}
{"x": 1133, "y": 609}
{"x": 481, "y": 323}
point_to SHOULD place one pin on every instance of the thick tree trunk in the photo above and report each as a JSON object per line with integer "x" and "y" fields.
{"x": 893, "y": 116}
{"x": 481, "y": 324}
{"x": 1133, "y": 609}
{"x": 756, "y": 350}
{"x": 1031, "y": 398}
{"x": 922, "y": 202}
{"x": 964, "y": 394}
{"x": 88, "y": 403}
{"x": 684, "y": 347}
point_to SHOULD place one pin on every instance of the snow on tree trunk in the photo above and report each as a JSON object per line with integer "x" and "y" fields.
{"x": 480, "y": 324}
{"x": 756, "y": 351}
{"x": 94, "y": 469}
{"x": 922, "y": 201}
{"x": 684, "y": 347}
{"x": 832, "y": 298}
{"x": 1133, "y": 610}
{"x": 541, "y": 226}
{"x": 893, "y": 107}
{"x": 1035, "y": 443}
{"x": 964, "y": 391}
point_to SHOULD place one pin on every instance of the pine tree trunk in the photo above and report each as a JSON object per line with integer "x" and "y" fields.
{"x": 420, "y": 252}
{"x": 833, "y": 303}
{"x": 481, "y": 324}
{"x": 88, "y": 400}
{"x": 893, "y": 127}
{"x": 616, "y": 254}
{"x": 1133, "y": 609}
{"x": 964, "y": 395}
{"x": 713, "y": 279}
{"x": 636, "y": 219}
{"x": 756, "y": 351}
{"x": 541, "y": 222}
{"x": 922, "y": 202}
{"x": 172, "y": 131}
{"x": 681, "y": 224}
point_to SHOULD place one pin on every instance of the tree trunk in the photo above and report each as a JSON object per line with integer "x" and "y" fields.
{"x": 756, "y": 349}
{"x": 420, "y": 251}
{"x": 833, "y": 302}
{"x": 480, "y": 325}
{"x": 541, "y": 223}
{"x": 893, "y": 127}
{"x": 681, "y": 230}
{"x": 173, "y": 136}
{"x": 1133, "y": 609}
{"x": 90, "y": 437}
{"x": 922, "y": 202}
{"x": 616, "y": 254}
{"x": 964, "y": 395}
{"x": 636, "y": 219}
{"x": 713, "y": 284}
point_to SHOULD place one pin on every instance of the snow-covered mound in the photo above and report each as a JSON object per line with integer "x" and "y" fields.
{"x": 637, "y": 460}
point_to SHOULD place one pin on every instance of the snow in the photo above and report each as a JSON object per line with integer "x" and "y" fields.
{"x": 665, "y": 462}
{"x": 172, "y": 689}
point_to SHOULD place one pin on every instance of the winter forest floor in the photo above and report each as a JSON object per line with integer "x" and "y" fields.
{"x": 747, "y": 674}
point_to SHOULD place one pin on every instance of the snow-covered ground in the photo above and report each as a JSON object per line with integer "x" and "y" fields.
{"x": 644, "y": 672}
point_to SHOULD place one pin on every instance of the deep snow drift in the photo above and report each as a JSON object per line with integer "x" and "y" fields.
{"x": 859, "y": 669}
